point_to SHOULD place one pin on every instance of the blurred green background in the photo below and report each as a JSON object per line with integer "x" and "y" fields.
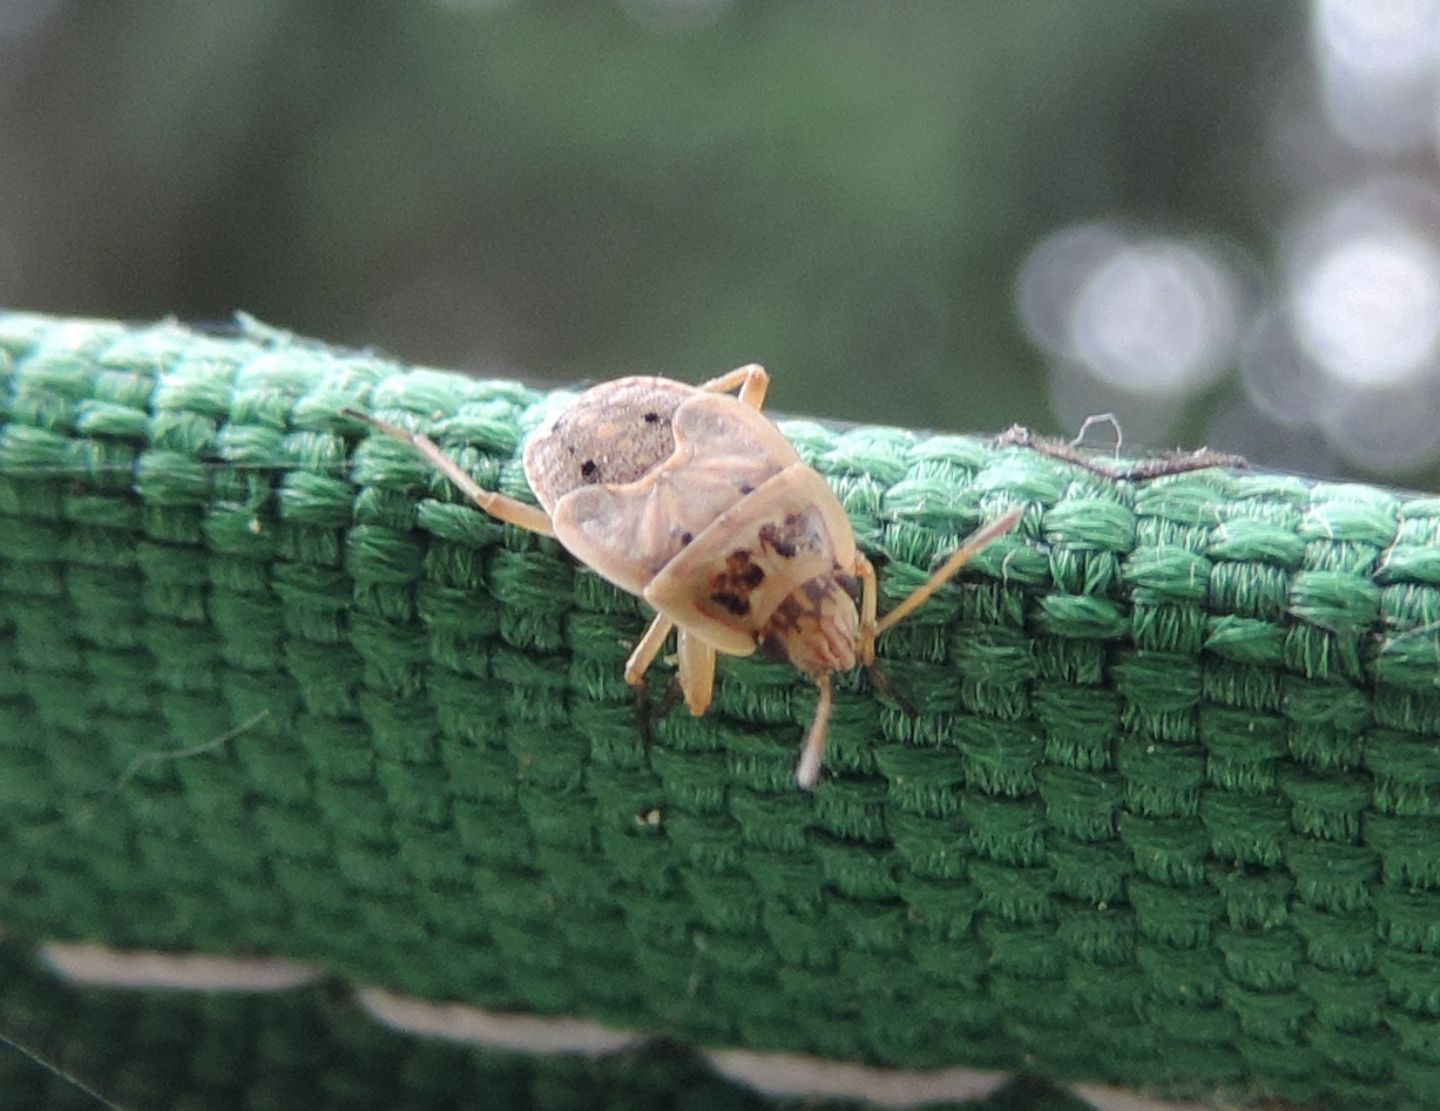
{"x": 951, "y": 214}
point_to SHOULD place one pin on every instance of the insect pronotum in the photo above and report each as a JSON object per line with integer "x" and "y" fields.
{"x": 691, "y": 499}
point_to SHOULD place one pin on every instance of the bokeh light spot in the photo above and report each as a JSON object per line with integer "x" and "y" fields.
{"x": 1389, "y": 431}
{"x": 1367, "y": 310}
{"x": 1051, "y": 277}
{"x": 1278, "y": 378}
{"x": 1377, "y": 62}
{"x": 1378, "y": 36}
{"x": 1157, "y": 317}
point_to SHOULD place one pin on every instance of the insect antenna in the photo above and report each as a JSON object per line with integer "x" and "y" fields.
{"x": 807, "y": 772}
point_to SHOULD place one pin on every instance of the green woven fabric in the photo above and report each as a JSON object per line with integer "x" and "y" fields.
{"x": 312, "y": 1049}
{"x": 1166, "y": 816}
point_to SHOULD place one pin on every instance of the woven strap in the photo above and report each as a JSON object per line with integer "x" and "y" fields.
{"x": 1165, "y": 817}
{"x": 313, "y": 1049}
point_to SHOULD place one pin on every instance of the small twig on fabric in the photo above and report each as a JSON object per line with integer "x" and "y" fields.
{"x": 1171, "y": 463}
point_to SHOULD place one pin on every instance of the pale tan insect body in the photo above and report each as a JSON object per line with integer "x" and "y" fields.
{"x": 690, "y": 498}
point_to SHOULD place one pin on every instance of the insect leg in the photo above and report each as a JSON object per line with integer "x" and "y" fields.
{"x": 807, "y": 772}
{"x": 499, "y": 506}
{"x": 646, "y": 651}
{"x": 697, "y": 672}
{"x": 635, "y": 668}
{"x": 864, "y": 570}
{"x": 962, "y": 555}
{"x": 751, "y": 380}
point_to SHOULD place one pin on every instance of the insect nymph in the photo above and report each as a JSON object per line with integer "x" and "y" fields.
{"x": 691, "y": 499}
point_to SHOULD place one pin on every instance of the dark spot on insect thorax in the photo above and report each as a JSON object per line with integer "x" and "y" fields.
{"x": 651, "y": 418}
{"x": 794, "y": 534}
{"x": 733, "y": 602}
{"x": 731, "y": 586}
{"x": 686, "y": 537}
{"x": 588, "y": 468}
{"x": 772, "y": 538}
{"x": 743, "y": 570}
{"x": 746, "y": 488}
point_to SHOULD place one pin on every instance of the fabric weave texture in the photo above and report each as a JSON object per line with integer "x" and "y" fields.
{"x": 1165, "y": 816}
{"x": 313, "y": 1048}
